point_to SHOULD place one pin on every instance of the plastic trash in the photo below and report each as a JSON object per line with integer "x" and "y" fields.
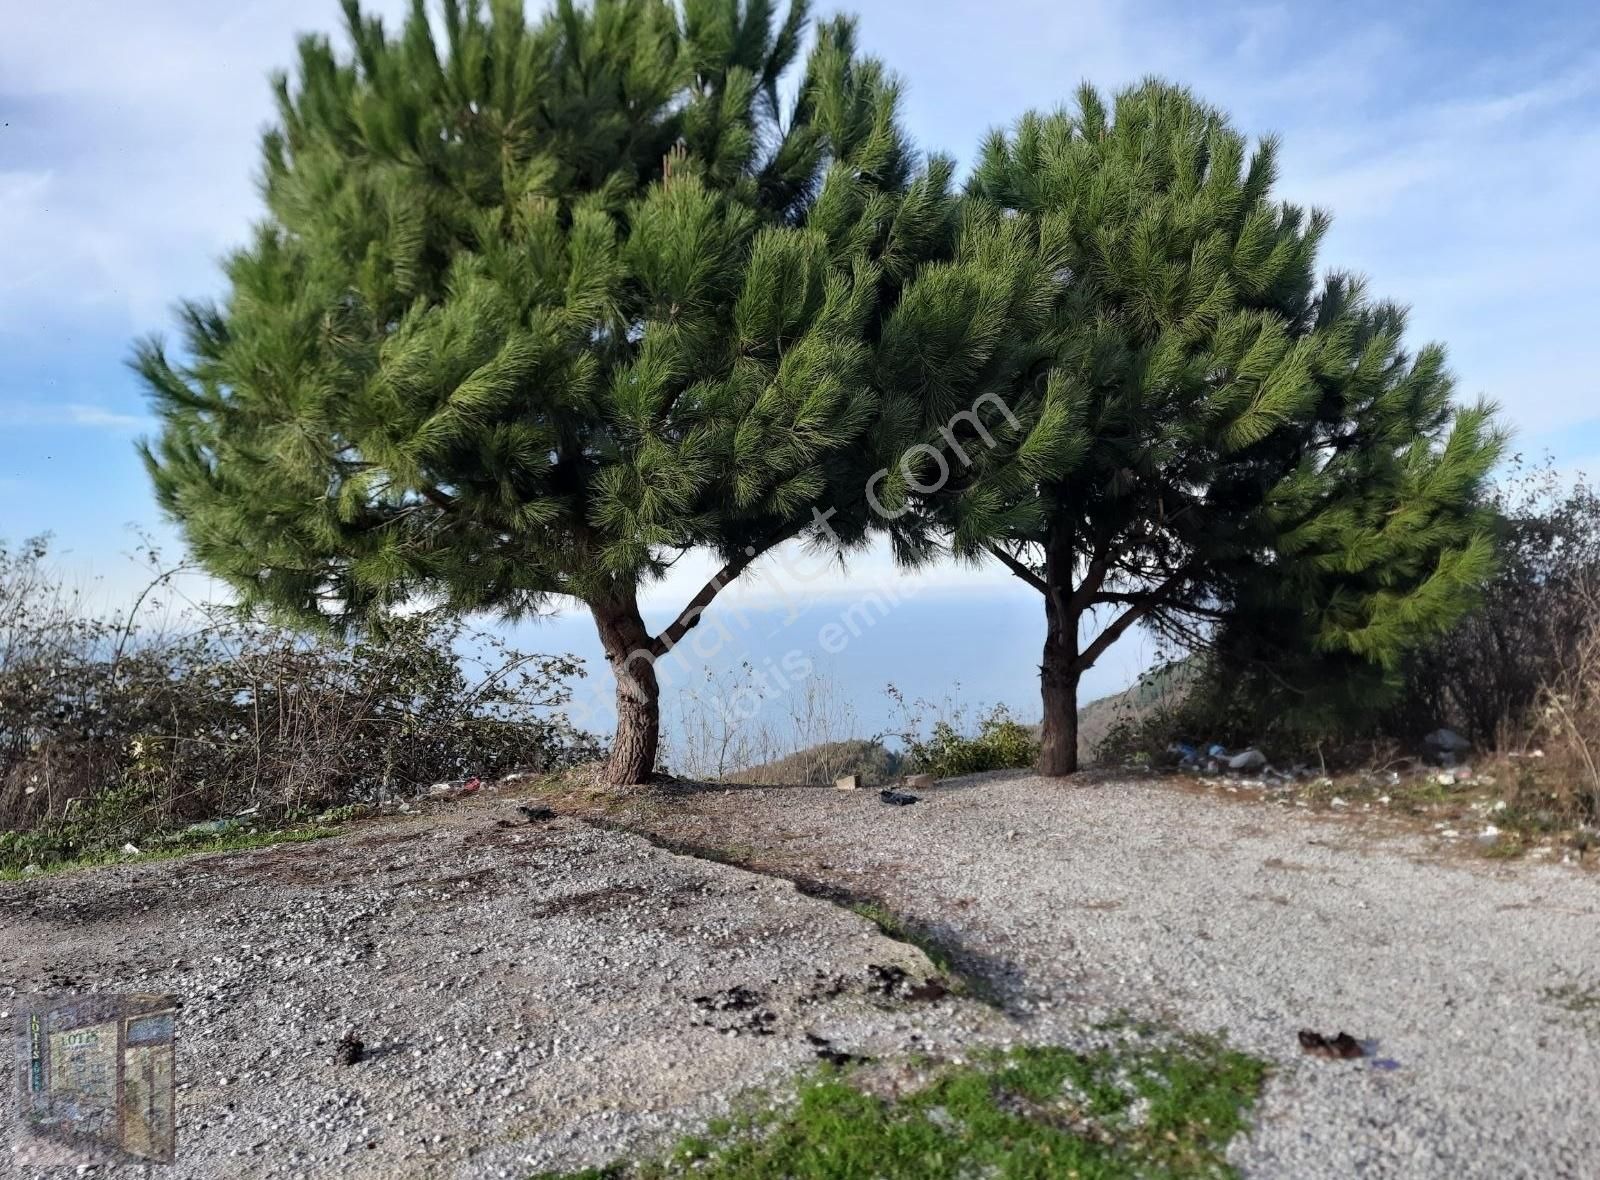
{"x": 212, "y": 826}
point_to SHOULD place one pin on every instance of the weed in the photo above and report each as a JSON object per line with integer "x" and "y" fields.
{"x": 176, "y": 844}
{"x": 1575, "y": 997}
{"x": 1038, "y": 1112}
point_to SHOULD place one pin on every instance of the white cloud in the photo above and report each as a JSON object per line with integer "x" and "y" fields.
{"x": 72, "y": 414}
{"x": 81, "y": 415}
{"x": 148, "y": 117}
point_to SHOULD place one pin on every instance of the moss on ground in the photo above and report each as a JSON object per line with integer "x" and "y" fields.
{"x": 1028, "y": 1114}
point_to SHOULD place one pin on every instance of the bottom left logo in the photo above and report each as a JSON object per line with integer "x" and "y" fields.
{"x": 96, "y": 1075}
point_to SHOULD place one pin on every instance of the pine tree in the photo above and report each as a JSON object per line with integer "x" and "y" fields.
{"x": 534, "y": 313}
{"x": 1189, "y": 430}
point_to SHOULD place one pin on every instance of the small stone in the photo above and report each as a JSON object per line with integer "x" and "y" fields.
{"x": 917, "y": 782}
{"x": 849, "y": 782}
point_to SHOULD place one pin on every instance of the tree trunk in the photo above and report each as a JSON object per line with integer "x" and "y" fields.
{"x": 1059, "y": 671}
{"x": 629, "y": 651}
{"x": 1058, "y": 744}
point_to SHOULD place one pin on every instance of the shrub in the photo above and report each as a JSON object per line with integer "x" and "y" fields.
{"x": 1487, "y": 675}
{"x": 1496, "y": 676}
{"x": 946, "y": 747}
{"x": 110, "y": 730}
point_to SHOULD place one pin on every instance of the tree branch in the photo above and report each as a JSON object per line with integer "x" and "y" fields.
{"x": 1137, "y": 599}
{"x": 1020, "y": 569}
{"x": 1093, "y": 578}
{"x": 689, "y": 617}
{"x": 1128, "y": 618}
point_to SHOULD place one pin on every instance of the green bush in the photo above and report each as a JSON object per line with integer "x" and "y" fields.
{"x": 947, "y": 748}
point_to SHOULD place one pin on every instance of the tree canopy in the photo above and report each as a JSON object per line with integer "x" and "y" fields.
{"x": 540, "y": 305}
{"x": 1198, "y": 434}
{"x": 537, "y": 310}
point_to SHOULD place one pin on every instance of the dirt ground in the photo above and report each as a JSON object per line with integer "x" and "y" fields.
{"x": 528, "y": 997}
{"x": 560, "y": 994}
{"x": 1473, "y": 984}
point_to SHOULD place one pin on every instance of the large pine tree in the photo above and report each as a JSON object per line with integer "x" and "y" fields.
{"x": 535, "y": 311}
{"x": 1196, "y": 433}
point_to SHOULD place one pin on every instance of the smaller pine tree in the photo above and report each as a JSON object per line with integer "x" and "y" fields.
{"x": 1189, "y": 431}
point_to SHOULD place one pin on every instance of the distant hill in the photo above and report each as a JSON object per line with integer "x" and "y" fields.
{"x": 822, "y": 764}
{"x": 1160, "y": 688}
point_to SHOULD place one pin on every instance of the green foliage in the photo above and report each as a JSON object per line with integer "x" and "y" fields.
{"x": 1032, "y": 1112}
{"x": 60, "y": 851}
{"x": 947, "y": 747}
{"x": 538, "y": 308}
{"x": 544, "y": 304}
{"x": 1199, "y": 431}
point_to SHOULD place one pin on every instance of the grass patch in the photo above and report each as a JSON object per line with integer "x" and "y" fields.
{"x": 220, "y": 842}
{"x": 1575, "y": 997}
{"x": 1028, "y": 1114}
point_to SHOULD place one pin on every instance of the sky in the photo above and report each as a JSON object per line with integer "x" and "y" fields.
{"x": 1457, "y": 146}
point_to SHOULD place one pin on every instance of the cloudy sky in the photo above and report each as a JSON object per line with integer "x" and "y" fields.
{"x": 1457, "y": 145}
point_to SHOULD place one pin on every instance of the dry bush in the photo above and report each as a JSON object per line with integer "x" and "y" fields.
{"x": 1486, "y": 677}
{"x": 1567, "y": 720}
{"x": 761, "y": 726}
{"x": 111, "y": 727}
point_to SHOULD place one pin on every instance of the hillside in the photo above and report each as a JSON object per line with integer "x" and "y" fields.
{"x": 1160, "y": 688}
{"x": 823, "y": 763}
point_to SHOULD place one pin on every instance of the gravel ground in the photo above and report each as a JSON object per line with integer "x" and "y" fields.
{"x": 527, "y": 995}
{"x": 1079, "y": 900}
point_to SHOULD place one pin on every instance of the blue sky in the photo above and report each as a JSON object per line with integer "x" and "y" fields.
{"x": 1457, "y": 145}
